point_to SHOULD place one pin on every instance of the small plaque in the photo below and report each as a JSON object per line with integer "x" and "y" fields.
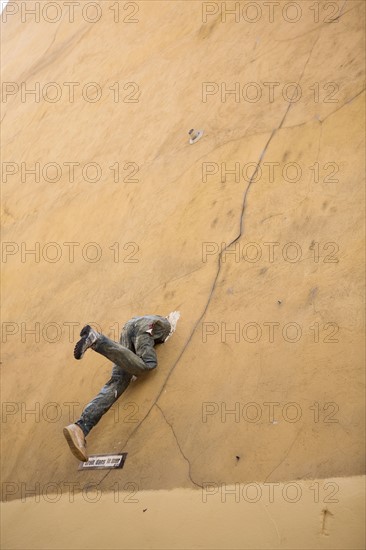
{"x": 104, "y": 462}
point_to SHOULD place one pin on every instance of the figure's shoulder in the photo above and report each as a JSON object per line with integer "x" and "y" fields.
{"x": 152, "y": 318}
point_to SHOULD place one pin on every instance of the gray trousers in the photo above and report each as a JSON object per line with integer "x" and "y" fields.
{"x": 134, "y": 355}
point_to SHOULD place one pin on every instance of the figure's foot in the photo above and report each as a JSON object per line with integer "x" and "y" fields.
{"x": 88, "y": 337}
{"x": 76, "y": 440}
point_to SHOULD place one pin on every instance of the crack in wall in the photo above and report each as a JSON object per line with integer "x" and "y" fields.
{"x": 284, "y": 458}
{"x": 324, "y": 24}
{"x": 179, "y": 447}
{"x": 321, "y": 120}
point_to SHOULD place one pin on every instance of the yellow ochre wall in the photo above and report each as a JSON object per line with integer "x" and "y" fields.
{"x": 254, "y": 233}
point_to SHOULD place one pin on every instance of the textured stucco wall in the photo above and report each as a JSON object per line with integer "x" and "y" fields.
{"x": 296, "y": 392}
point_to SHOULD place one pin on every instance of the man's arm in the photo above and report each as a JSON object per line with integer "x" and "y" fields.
{"x": 144, "y": 347}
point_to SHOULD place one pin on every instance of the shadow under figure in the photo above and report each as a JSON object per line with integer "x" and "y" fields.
{"x": 133, "y": 356}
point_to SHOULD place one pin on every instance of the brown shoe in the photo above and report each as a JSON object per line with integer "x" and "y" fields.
{"x": 76, "y": 440}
